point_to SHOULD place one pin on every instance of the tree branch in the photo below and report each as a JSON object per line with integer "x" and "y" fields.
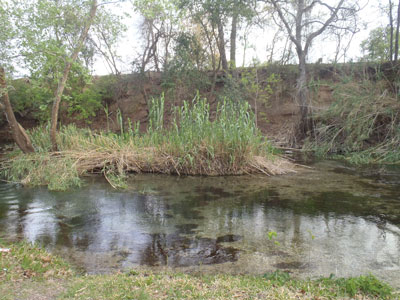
{"x": 323, "y": 27}
{"x": 310, "y": 7}
{"x": 285, "y": 22}
{"x": 110, "y": 2}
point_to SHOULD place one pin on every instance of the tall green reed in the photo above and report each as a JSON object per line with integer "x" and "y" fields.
{"x": 196, "y": 141}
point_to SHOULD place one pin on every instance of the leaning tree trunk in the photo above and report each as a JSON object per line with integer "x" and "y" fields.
{"x": 18, "y": 132}
{"x": 63, "y": 81}
{"x": 221, "y": 44}
{"x": 302, "y": 97}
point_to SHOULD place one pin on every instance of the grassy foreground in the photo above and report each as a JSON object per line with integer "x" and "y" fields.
{"x": 195, "y": 143}
{"x": 29, "y": 272}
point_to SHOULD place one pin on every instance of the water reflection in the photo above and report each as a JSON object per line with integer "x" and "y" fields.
{"x": 331, "y": 219}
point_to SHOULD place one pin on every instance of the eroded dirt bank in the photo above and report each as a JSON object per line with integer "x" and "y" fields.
{"x": 276, "y": 117}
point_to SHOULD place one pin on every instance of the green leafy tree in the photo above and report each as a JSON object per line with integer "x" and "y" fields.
{"x": 383, "y": 42}
{"x": 58, "y": 41}
{"x": 184, "y": 73}
{"x": 377, "y": 46}
{"x": 53, "y": 34}
{"x": 7, "y": 34}
{"x": 218, "y": 15}
{"x": 5, "y": 37}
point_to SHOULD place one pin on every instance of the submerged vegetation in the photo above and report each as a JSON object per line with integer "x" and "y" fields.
{"x": 194, "y": 144}
{"x": 28, "y": 271}
{"x": 362, "y": 124}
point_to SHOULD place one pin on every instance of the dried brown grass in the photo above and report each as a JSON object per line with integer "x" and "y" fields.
{"x": 151, "y": 160}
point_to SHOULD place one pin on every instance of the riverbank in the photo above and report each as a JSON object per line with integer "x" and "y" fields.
{"x": 354, "y": 109}
{"x": 29, "y": 272}
{"x": 230, "y": 144}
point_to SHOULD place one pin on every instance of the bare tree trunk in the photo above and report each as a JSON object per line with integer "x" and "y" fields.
{"x": 221, "y": 44}
{"x": 274, "y": 41}
{"x": 168, "y": 40}
{"x": 293, "y": 22}
{"x": 18, "y": 132}
{"x": 213, "y": 60}
{"x": 391, "y": 29}
{"x": 155, "y": 52}
{"x": 256, "y": 97}
{"x": 338, "y": 46}
{"x": 302, "y": 95}
{"x": 62, "y": 82}
{"x": 396, "y": 46}
{"x": 244, "y": 52}
{"x": 233, "y": 41}
{"x": 284, "y": 59}
{"x": 212, "y": 52}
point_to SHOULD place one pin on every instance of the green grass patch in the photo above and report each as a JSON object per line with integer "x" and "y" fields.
{"x": 23, "y": 260}
{"x": 195, "y": 143}
{"x": 28, "y": 270}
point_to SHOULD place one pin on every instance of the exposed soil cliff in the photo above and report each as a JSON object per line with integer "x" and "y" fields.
{"x": 276, "y": 118}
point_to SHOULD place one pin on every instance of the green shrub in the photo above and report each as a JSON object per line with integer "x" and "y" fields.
{"x": 364, "y": 284}
{"x": 29, "y": 97}
{"x": 33, "y": 98}
{"x": 277, "y": 277}
{"x": 84, "y": 103}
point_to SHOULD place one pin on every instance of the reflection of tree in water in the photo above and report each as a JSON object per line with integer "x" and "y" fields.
{"x": 14, "y": 205}
{"x": 155, "y": 207}
{"x": 178, "y": 251}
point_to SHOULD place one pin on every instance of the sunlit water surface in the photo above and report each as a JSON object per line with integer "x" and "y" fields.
{"x": 331, "y": 219}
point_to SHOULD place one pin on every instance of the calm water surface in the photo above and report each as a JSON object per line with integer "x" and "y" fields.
{"x": 331, "y": 219}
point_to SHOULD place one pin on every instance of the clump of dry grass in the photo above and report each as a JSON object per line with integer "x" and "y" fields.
{"x": 363, "y": 124}
{"x": 194, "y": 145}
{"x": 149, "y": 160}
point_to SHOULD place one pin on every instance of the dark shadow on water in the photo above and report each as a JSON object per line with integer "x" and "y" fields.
{"x": 176, "y": 251}
{"x": 229, "y": 238}
{"x": 186, "y": 228}
{"x": 295, "y": 265}
{"x": 211, "y": 193}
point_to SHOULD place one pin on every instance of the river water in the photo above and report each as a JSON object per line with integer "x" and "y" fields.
{"x": 329, "y": 219}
